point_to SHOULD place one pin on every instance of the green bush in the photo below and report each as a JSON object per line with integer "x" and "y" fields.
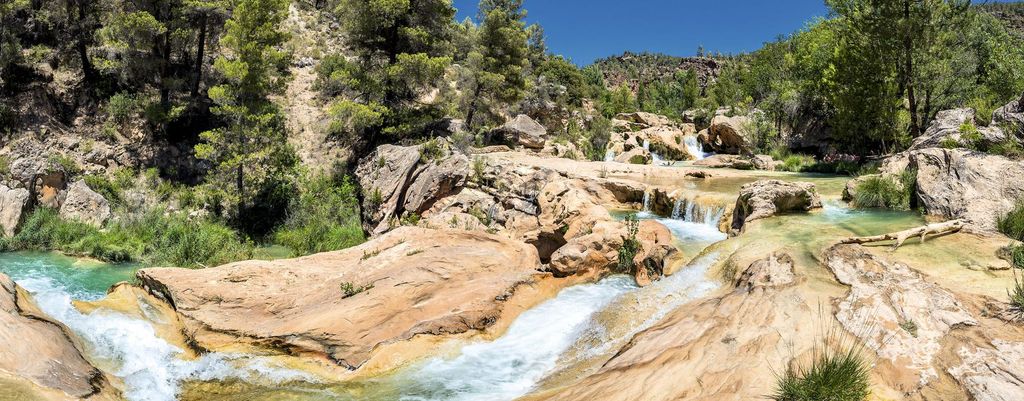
{"x": 886, "y": 192}
{"x": 103, "y": 186}
{"x": 324, "y": 217}
{"x": 1008, "y": 147}
{"x": 833, "y": 375}
{"x": 122, "y": 107}
{"x": 797, "y": 162}
{"x": 1016, "y": 295}
{"x": 630, "y": 245}
{"x": 69, "y": 165}
{"x": 970, "y": 137}
{"x": 152, "y": 237}
{"x": 1012, "y": 223}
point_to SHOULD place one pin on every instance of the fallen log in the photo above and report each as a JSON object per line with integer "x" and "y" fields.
{"x": 900, "y": 237}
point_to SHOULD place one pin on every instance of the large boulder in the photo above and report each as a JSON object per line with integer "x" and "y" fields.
{"x": 728, "y": 135}
{"x": 399, "y": 180}
{"x": 1011, "y": 115}
{"x": 725, "y": 161}
{"x": 947, "y": 128}
{"x": 646, "y": 120}
{"x": 44, "y": 178}
{"x": 83, "y": 204}
{"x": 340, "y": 306}
{"x": 39, "y": 359}
{"x": 13, "y": 205}
{"x": 669, "y": 142}
{"x": 766, "y": 198}
{"x": 962, "y": 184}
{"x": 521, "y": 131}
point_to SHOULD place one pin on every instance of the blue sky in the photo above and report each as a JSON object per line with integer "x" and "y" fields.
{"x": 584, "y": 30}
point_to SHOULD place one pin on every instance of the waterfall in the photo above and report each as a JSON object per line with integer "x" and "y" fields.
{"x": 647, "y": 202}
{"x": 677, "y": 209}
{"x": 694, "y": 147}
{"x": 609, "y": 156}
{"x": 130, "y": 349}
{"x": 689, "y": 210}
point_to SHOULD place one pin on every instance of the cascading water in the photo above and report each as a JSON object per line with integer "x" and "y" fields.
{"x": 512, "y": 365}
{"x": 655, "y": 158}
{"x": 130, "y": 349}
{"x": 694, "y": 147}
{"x": 609, "y": 156}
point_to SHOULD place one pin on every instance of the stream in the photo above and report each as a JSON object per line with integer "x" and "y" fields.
{"x": 558, "y": 341}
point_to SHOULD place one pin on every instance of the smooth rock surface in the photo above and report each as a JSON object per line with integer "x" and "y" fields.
{"x": 416, "y": 281}
{"x": 83, "y": 204}
{"x": 766, "y": 198}
{"x": 13, "y": 204}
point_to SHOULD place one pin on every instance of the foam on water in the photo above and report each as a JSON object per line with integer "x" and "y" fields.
{"x": 130, "y": 349}
{"x": 511, "y": 366}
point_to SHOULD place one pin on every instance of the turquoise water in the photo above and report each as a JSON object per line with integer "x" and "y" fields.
{"x": 83, "y": 279}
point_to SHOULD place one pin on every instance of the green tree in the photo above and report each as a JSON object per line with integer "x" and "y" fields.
{"x": 496, "y": 67}
{"x": 402, "y": 49}
{"x": 251, "y": 154}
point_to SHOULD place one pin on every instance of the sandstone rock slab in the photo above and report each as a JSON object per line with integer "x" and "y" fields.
{"x": 83, "y": 204}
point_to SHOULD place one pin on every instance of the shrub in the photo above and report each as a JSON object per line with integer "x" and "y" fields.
{"x": 949, "y": 143}
{"x": 1012, "y": 223}
{"x": 638, "y": 159}
{"x": 105, "y": 187}
{"x": 599, "y": 132}
{"x": 5, "y": 166}
{"x": 630, "y": 245}
{"x": 1016, "y": 256}
{"x": 122, "y": 107}
{"x": 797, "y": 163}
{"x": 970, "y": 137}
{"x": 886, "y": 192}
{"x": 1016, "y": 295}
{"x": 324, "y": 217}
{"x": 431, "y": 150}
{"x": 1008, "y": 147}
{"x": 835, "y": 374}
{"x": 69, "y": 165}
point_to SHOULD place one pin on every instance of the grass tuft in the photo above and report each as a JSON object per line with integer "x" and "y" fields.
{"x": 323, "y": 217}
{"x": 886, "y": 192}
{"x": 836, "y": 372}
{"x": 1016, "y": 295}
{"x": 1012, "y": 223}
{"x": 630, "y": 245}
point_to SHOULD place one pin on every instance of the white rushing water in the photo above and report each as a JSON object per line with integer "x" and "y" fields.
{"x": 694, "y": 147}
{"x": 609, "y": 156}
{"x": 690, "y": 211}
{"x": 511, "y": 366}
{"x": 130, "y": 349}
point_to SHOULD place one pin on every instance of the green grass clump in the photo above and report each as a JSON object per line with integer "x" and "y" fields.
{"x": 152, "y": 238}
{"x": 836, "y": 372}
{"x": 1016, "y": 295}
{"x": 1012, "y": 223}
{"x": 797, "y": 162}
{"x": 324, "y": 217}
{"x": 886, "y": 192}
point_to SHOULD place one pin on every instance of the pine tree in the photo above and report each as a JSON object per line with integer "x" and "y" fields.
{"x": 402, "y": 49}
{"x": 497, "y": 65}
{"x": 251, "y": 154}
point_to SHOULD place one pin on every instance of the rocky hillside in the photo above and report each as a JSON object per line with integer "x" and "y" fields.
{"x": 1012, "y": 14}
{"x": 634, "y": 70}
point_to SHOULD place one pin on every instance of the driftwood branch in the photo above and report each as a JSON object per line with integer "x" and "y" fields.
{"x": 900, "y": 237}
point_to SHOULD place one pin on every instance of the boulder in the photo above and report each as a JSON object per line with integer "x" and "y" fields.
{"x": 728, "y": 135}
{"x": 1011, "y": 115}
{"x": 766, "y": 198}
{"x": 38, "y": 353}
{"x": 850, "y": 191}
{"x": 669, "y": 142}
{"x": 947, "y": 127}
{"x": 765, "y": 162}
{"x": 85, "y": 205}
{"x": 340, "y": 306}
{"x": 521, "y": 131}
{"x": 44, "y": 179}
{"x": 398, "y": 180}
{"x": 644, "y": 119}
{"x": 656, "y": 250}
{"x": 13, "y": 205}
{"x": 776, "y": 270}
{"x": 725, "y": 161}
{"x": 962, "y": 184}
{"x": 637, "y": 155}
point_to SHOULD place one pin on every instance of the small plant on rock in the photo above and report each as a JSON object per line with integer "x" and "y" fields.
{"x": 350, "y": 290}
{"x": 1016, "y": 295}
{"x": 630, "y": 245}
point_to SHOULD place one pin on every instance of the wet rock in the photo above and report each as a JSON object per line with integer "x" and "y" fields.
{"x": 766, "y": 198}
{"x": 895, "y": 311}
{"x": 40, "y": 351}
{"x": 961, "y": 184}
{"x": 725, "y": 161}
{"x": 85, "y": 205}
{"x": 13, "y": 205}
{"x": 342, "y": 305}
